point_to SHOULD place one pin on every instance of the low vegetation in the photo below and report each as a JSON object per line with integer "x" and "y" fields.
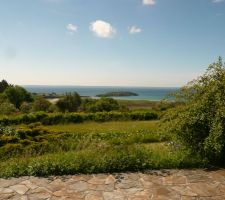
{"x": 83, "y": 135}
{"x": 88, "y": 148}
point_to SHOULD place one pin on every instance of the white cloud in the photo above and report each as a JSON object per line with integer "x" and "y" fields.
{"x": 217, "y": 1}
{"x": 71, "y": 28}
{"x": 102, "y": 29}
{"x": 149, "y": 2}
{"x": 134, "y": 30}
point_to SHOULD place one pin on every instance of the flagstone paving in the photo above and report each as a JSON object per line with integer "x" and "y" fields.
{"x": 156, "y": 185}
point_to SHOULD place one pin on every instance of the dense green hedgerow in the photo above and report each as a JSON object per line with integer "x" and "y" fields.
{"x": 57, "y": 118}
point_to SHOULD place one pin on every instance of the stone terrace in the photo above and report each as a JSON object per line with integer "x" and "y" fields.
{"x": 160, "y": 185}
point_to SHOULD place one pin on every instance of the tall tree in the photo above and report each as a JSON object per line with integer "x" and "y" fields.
{"x": 17, "y": 95}
{"x": 3, "y": 85}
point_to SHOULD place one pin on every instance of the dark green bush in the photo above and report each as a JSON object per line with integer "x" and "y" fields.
{"x": 70, "y": 102}
{"x": 17, "y": 95}
{"x": 57, "y": 118}
{"x": 141, "y": 115}
{"x": 41, "y": 104}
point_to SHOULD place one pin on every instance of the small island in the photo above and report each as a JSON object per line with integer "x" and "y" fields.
{"x": 117, "y": 94}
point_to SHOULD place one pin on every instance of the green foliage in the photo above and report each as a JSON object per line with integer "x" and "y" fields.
{"x": 26, "y": 107}
{"x": 100, "y": 105}
{"x": 70, "y": 102}
{"x": 157, "y": 106}
{"x": 41, "y": 104}
{"x": 60, "y": 118}
{"x": 7, "y": 108}
{"x": 17, "y": 95}
{"x": 3, "y": 86}
{"x": 53, "y": 108}
{"x": 42, "y": 151}
{"x": 200, "y": 122}
{"x": 104, "y": 104}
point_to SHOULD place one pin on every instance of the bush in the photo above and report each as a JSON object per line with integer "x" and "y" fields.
{"x": 100, "y": 105}
{"x": 7, "y": 108}
{"x": 200, "y": 122}
{"x": 41, "y": 104}
{"x": 57, "y": 118}
{"x": 70, "y": 102}
{"x": 26, "y": 107}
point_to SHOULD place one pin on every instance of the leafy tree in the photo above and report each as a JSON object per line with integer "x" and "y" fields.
{"x": 3, "y": 85}
{"x": 41, "y": 104}
{"x": 200, "y": 122}
{"x": 17, "y": 95}
{"x": 70, "y": 102}
{"x": 103, "y": 104}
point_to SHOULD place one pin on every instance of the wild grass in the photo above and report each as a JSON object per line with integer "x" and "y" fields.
{"x": 89, "y": 148}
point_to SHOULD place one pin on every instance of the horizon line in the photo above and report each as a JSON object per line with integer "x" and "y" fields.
{"x": 45, "y": 85}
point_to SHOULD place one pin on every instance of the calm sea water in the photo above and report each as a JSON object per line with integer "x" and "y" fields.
{"x": 144, "y": 93}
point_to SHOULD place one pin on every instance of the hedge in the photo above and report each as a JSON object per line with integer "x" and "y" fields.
{"x": 60, "y": 118}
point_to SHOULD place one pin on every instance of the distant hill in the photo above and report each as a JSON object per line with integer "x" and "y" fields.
{"x": 117, "y": 94}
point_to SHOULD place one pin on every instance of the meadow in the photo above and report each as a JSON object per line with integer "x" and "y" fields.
{"x": 89, "y": 147}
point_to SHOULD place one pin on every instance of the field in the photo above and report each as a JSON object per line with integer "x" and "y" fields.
{"x": 89, "y": 147}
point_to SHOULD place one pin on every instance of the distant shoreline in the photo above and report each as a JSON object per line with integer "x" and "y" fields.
{"x": 150, "y": 94}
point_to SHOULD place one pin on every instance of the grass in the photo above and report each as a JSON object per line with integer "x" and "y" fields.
{"x": 147, "y": 105}
{"x": 89, "y": 147}
{"x": 93, "y": 127}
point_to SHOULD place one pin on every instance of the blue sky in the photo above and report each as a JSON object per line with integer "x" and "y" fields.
{"x": 109, "y": 42}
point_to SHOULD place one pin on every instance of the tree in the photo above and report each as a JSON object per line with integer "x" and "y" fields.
{"x": 17, "y": 95}
{"x": 3, "y": 85}
{"x": 41, "y": 104}
{"x": 70, "y": 102}
{"x": 200, "y": 122}
{"x": 103, "y": 104}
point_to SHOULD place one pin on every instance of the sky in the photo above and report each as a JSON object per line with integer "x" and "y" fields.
{"x": 150, "y": 43}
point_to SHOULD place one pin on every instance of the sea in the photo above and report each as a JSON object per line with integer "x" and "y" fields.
{"x": 144, "y": 93}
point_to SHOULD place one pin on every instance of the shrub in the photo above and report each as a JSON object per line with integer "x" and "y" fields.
{"x": 200, "y": 122}
{"x": 70, "y": 102}
{"x": 7, "y": 108}
{"x": 26, "y": 107}
{"x": 100, "y": 105}
{"x": 57, "y": 118}
{"x": 41, "y": 104}
{"x": 140, "y": 115}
